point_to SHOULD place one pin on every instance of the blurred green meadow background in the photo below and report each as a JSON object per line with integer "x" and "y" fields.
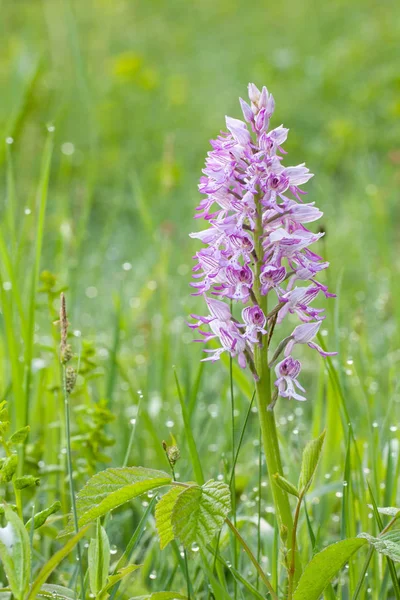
{"x": 134, "y": 90}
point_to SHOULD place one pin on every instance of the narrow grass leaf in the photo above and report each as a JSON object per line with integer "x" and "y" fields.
{"x": 53, "y": 563}
{"x": 194, "y": 455}
{"x": 161, "y": 596}
{"x": 117, "y": 577}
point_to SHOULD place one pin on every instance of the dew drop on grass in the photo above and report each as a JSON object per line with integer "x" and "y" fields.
{"x": 132, "y": 421}
{"x": 374, "y": 424}
{"x": 393, "y": 428}
{"x": 169, "y": 424}
{"x": 295, "y": 431}
{"x": 9, "y": 140}
{"x": 195, "y": 547}
{"x": 127, "y": 266}
{"x": 345, "y": 484}
{"x": 113, "y": 550}
{"x": 7, "y": 286}
{"x": 153, "y": 575}
{"x": 27, "y": 211}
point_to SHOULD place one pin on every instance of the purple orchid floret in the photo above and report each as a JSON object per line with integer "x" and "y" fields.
{"x": 256, "y": 243}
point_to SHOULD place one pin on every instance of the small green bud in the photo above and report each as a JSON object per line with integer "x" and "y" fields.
{"x": 9, "y": 467}
{"x": 26, "y": 481}
{"x": 41, "y": 517}
{"x": 70, "y": 379}
{"x": 173, "y": 453}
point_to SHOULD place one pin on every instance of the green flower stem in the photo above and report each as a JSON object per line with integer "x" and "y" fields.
{"x": 266, "y": 414}
{"x": 71, "y": 479}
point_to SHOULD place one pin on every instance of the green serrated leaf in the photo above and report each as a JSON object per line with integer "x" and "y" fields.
{"x": 387, "y": 544}
{"x": 113, "y": 579}
{"x": 199, "y": 512}
{"x": 99, "y": 559}
{"x": 284, "y": 484}
{"x": 309, "y": 463}
{"x": 9, "y": 467}
{"x": 20, "y": 436}
{"x": 41, "y": 517}
{"x": 15, "y": 553}
{"x": 163, "y": 515}
{"x": 111, "y": 488}
{"x": 56, "y": 592}
{"x": 323, "y": 568}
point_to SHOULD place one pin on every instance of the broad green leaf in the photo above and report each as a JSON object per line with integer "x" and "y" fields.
{"x": 54, "y": 561}
{"x": 111, "y": 488}
{"x": 323, "y": 568}
{"x": 113, "y": 579}
{"x": 309, "y": 463}
{"x": 99, "y": 559}
{"x": 56, "y": 592}
{"x": 41, "y": 517}
{"x": 163, "y": 515}
{"x": 387, "y": 544}
{"x": 199, "y": 512}
{"x": 284, "y": 484}
{"x": 15, "y": 553}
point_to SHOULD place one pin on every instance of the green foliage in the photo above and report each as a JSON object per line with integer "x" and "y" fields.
{"x": 387, "y": 543}
{"x": 9, "y": 468}
{"x": 15, "y": 553}
{"x": 198, "y": 513}
{"x": 19, "y": 436}
{"x": 284, "y": 484}
{"x": 99, "y": 560}
{"x": 53, "y": 563}
{"x": 41, "y": 517}
{"x": 110, "y": 488}
{"x": 324, "y": 566}
{"x": 141, "y": 114}
{"x": 161, "y": 596}
{"x": 311, "y": 456}
{"x": 56, "y": 592}
{"x": 112, "y": 580}
{"x": 164, "y": 510}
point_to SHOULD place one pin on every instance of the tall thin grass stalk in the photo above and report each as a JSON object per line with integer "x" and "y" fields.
{"x": 71, "y": 479}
